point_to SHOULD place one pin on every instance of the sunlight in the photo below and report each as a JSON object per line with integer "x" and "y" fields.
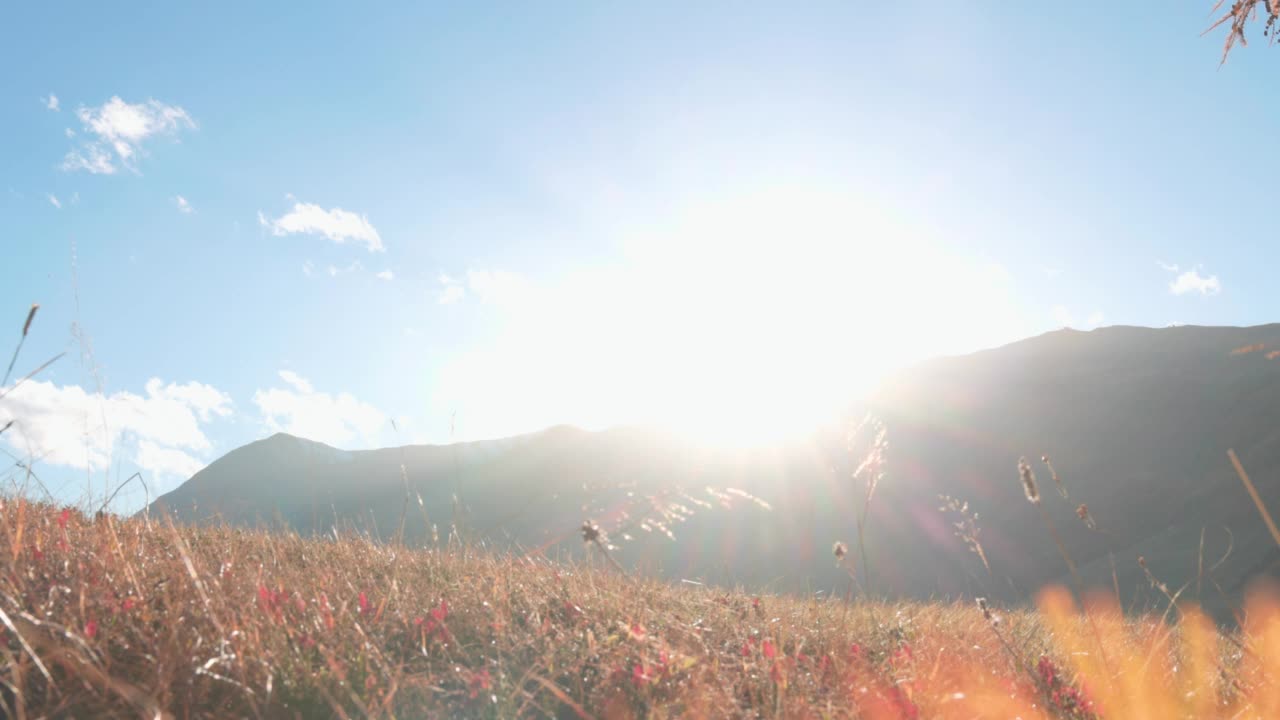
{"x": 784, "y": 307}
{"x": 742, "y": 321}
{"x": 767, "y": 313}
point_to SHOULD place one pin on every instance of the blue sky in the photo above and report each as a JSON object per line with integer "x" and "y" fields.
{"x": 721, "y": 218}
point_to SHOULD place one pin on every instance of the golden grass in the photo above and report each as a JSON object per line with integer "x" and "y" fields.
{"x": 105, "y": 617}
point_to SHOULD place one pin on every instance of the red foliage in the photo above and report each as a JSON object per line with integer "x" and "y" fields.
{"x": 479, "y": 682}
{"x": 435, "y": 627}
{"x": 768, "y": 650}
{"x": 1064, "y": 696}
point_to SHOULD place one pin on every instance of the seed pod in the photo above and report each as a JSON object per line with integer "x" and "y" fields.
{"x": 1028, "y": 477}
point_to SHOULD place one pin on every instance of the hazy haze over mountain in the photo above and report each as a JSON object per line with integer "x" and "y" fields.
{"x": 1137, "y": 422}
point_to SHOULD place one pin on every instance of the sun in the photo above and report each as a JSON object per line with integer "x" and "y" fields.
{"x": 755, "y": 326}
{"x": 746, "y": 320}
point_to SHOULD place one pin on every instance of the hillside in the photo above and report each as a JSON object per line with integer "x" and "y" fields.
{"x": 1137, "y": 422}
{"x": 104, "y": 618}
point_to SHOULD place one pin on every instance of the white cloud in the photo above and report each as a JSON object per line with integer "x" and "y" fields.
{"x": 1095, "y": 318}
{"x": 53, "y": 200}
{"x": 119, "y": 130}
{"x": 91, "y": 158}
{"x": 168, "y": 462}
{"x": 336, "y": 224}
{"x": 51, "y": 102}
{"x": 386, "y": 275}
{"x": 335, "y": 271}
{"x": 296, "y": 381}
{"x": 183, "y": 206}
{"x": 161, "y": 431}
{"x": 69, "y": 132}
{"x": 338, "y": 420}
{"x": 451, "y": 290}
{"x": 1192, "y": 281}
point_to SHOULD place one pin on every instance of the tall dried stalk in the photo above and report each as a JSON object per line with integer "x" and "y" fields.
{"x": 1241, "y": 13}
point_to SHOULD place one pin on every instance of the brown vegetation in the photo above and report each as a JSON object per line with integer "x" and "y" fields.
{"x": 135, "y": 618}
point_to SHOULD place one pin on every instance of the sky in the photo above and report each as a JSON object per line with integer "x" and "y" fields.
{"x": 425, "y": 222}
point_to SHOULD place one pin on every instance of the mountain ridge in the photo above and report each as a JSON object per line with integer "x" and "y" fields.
{"x": 1136, "y": 420}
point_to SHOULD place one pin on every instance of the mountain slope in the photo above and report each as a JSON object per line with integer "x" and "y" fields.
{"x": 1137, "y": 421}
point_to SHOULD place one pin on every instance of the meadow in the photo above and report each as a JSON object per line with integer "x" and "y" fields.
{"x": 111, "y": 617}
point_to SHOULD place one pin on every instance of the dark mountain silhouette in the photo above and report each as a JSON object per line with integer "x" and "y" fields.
{"x": 1137, "y": 421}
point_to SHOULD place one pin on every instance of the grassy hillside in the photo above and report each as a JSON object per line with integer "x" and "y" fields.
{"x": 1136, "y": 420}
{"x": 119, "y": 618}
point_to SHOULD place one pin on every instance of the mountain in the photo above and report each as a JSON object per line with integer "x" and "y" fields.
{"x": 1136, "y": 421}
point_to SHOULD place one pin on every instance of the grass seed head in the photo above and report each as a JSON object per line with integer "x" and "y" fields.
{"x": 31, "y": 315}
{"x": 1028, "y": 477}
{"x": 985, "y": 608}
{"x": 1086, "y": 517}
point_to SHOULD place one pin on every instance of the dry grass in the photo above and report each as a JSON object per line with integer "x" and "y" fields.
{"x": 1238, "y": 16}
{"x": 125, "y": 618}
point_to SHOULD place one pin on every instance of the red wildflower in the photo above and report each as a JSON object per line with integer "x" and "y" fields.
{"x": 327, "y": 610}
{"x": 271, "y": 600}
{"x": 63, "y": 517}
{"x": 442, "y": 612}
{"x": 767, "y": 648}
{"x": 365, "y": 607}
{"x": 91, "y": 629}
{"x": 901, "y": 655}
{"x": 434, "y": 628}
{"x": 1047, "y": 671}
{"x": 128, "y": 604}
{"x": 638, "y": 676}
{"x": 746, "y": 649}
{"x": 479, "y": 682}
